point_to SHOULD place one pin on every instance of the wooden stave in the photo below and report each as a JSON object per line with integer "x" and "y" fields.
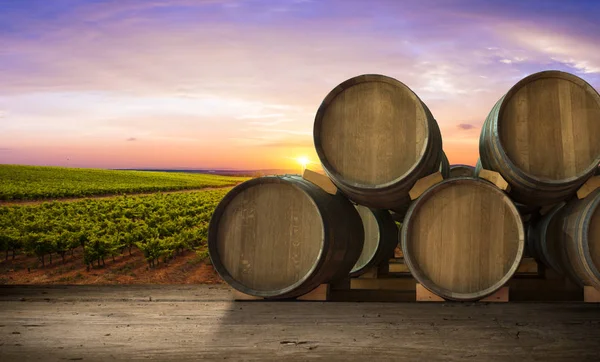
{"x": 426, "y": 282}
{"x": 393, "y": 195}
{"x": 576, "y": 217}
{"x": 335, "y": 260}
{"x": 526, "y": 189}
{"x": 388, "y": 240}
{"x": 469, "y": 171}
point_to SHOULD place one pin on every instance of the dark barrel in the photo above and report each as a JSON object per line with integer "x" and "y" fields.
{"x": 567, "y": 239}
{"x": 462, "y": 171}
{"x": 282, "y": 236}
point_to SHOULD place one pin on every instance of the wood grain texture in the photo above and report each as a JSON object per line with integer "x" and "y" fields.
{"x": 374, "y": 131}
{"x": 580, "y": 236}
{"x": 270, "y": 236}
{"x": 375, "y": 138}
{"x": 463, "y": 239}
{"x": 462, "y": 171}
{"x": 550, "y": 126}
{"x": 200, "y": 322}
{"x": 542, "y": 136}
{"x": 567, "y": 240}
{"x": 381, "y": 238}
{"x": 544, "y": 239}
{"x": 282, "y": 236}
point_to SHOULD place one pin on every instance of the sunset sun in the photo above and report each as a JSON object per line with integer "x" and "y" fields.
{"x": 303, "y": 161}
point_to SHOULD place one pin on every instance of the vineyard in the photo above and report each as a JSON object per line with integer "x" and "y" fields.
{"x": 37, "y": 182}
{"x": 159, "y": 225}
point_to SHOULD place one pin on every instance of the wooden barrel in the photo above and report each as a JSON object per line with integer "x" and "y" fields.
{"x": 375, "y": 138}
{"x": 381, "y": 238}
{"x": 543, "y": 239}
{"x": 567, "y": 239}
{"x": 282, "y": 236}
{"x": 462, "y": 239}
{"x": 542, "y": 137}
{"x": 462, "y": 171}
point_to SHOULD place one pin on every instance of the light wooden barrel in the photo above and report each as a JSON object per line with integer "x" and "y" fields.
{"x": 381, "y": 238}
{"x": 463, "y": 239}
{"x": 462, "y": 171}
{"x": 375, "y": 138}
{"x": 567, "y": 239}
{"x": 543, "y": 137}
{"x": 282, "y": 236}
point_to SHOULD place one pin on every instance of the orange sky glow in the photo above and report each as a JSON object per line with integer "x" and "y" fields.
{"x": 236, "y": 84}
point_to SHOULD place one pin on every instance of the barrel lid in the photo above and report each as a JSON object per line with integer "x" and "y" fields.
{"x": 551, "y": 115}
{"x": 266, "y": 237}
{"x": 371, "y": 131}
{"x": 463, "y": 239}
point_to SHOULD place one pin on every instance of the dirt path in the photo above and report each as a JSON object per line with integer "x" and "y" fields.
{"x": 100, "y": 323}
{"x": 106, "y": 196}
{"x": 185, "y": 268}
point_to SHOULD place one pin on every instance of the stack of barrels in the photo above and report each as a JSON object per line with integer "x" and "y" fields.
{"x": 462, "y": 238}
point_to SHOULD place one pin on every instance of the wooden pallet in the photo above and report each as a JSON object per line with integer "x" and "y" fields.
{"x": 319, "y": 294}
{"x": 424, "y": 295}
{"x": 591, "y": 295}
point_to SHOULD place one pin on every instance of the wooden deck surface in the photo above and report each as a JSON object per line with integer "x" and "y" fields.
{"x": 96, "y": 323}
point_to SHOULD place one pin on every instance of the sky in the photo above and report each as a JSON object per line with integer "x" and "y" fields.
{"x": 236, "y": 84}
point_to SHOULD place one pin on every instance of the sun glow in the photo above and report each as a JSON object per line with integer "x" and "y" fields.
{"x": 303, "y": 161}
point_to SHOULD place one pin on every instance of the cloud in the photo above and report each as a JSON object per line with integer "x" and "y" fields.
{"x": 466, "y": 126}
{"x": 272, "y": 123}
{"x": 5, "y": 149}
{"x": 199, "y": 72}
{"x": 130, "y": 139}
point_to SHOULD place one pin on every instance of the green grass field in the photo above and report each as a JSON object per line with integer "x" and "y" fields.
{"x": 41, "y": 182}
